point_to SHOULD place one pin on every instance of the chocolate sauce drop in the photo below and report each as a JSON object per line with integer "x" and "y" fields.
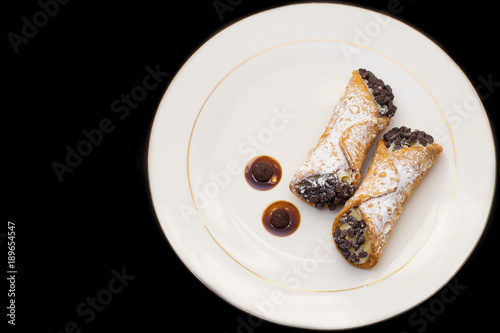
{"x": 275, "y": 216}
{"x": 263, "y": 173}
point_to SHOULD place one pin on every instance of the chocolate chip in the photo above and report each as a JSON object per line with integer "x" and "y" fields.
{"x": 361, "y": 240}
{"x": 405, "y": 135}
{"x": 350, "y": 232}
{"x": 308, "y": 182}
{"x": 379, "y": 99}
{"x": 384, "y": 110}
{"x": 362, "y": 254}
{"x": 336, "y": 233}
{"x": 262, "y": 171}
{"x": 346, "y": 244}
{"x": 345, "y": 253}
{"x": 350, "y": 190}
{"x": 353, "y": 258}
{"x": 386, "y": 100}
{"x": 314, "y": 198}
{"x": 332, "y": 179}
{"x": 280, "y": 218}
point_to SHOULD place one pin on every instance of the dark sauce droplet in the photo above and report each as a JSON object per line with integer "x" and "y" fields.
{"x": 281, "y": 218}
{"x": 263, "y": 173}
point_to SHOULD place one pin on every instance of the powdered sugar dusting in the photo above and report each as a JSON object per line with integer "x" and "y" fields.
{"x": 383, "y": 210}
{"x": 328, "y": 155}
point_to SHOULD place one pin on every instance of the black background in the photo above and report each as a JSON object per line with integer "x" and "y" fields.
{"x": 70, "y": 235}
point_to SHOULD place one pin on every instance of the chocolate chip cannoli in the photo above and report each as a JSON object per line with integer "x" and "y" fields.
{"x": 361, "y": 229}
{"x": 331, "y": 171}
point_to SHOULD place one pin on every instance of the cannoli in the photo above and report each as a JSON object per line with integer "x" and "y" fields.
{"x": 361, "y": 229}
{"x": 331, "y": 172}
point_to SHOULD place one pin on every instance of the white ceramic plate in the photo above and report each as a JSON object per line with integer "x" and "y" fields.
{"x": 267, "y": 86}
